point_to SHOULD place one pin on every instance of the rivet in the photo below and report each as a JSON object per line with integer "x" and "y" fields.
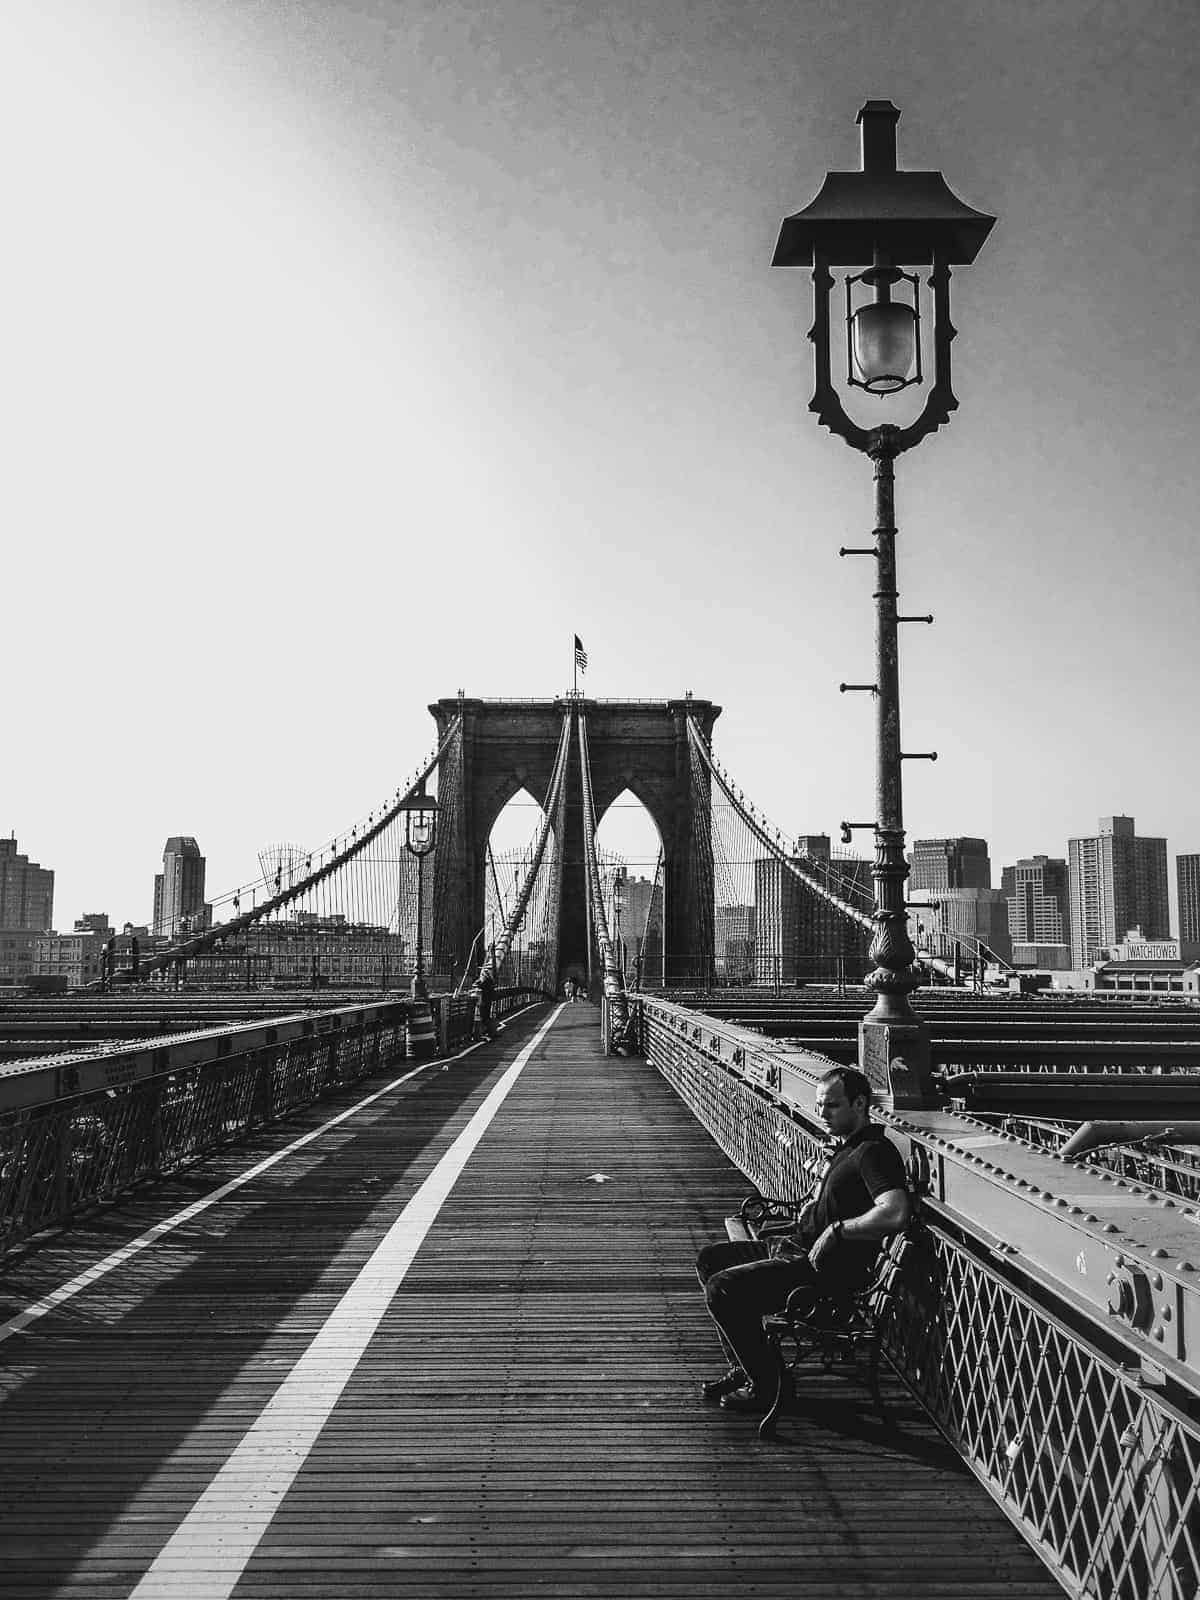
{"x": 1091, "y": 1217}
{"x": 1184, "y": 1266}
{"x": 1076, "y": 1211}
{"x": 1157, "y": 1280}
{"x": 1158, "y": 1254}
{"x": 1166, "y": 1313}
{"x": 1110, "y": 1227}
{"x": 1061, "y": 1202}
{"x": 1158, "y": 1334}
{"x": 1167, "y": 1201}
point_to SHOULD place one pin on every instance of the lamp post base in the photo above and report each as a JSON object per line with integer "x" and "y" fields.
{"x": 895, "y": 1057}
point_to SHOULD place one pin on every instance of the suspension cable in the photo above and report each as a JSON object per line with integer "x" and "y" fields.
{"x": 810, "y": 879}
{"x": 352, "y": 846}
{"x": 495, "y": 958}
{"x": 614, "y": 982}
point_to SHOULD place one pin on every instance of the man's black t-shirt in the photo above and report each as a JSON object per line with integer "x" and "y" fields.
{"x": 859, "y": 1171}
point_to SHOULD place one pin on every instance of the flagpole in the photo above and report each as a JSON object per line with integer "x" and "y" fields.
{"x": 575, "y": 677}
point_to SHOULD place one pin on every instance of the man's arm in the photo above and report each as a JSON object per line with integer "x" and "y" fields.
{"x": 887, "y": 1216}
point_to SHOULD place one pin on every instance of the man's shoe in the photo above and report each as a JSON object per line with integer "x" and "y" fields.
{"x": 733, "y": 1378}
{"x": 748, "y": 1399}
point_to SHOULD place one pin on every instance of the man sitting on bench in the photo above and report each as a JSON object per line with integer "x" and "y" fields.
{"x": 860, "y": 1199}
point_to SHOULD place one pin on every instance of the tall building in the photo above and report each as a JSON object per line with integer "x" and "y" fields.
{"x": 776, "y": 919}
{"x": 949, "y": 864}
{"x": 974, "y": 913}
{"x": 179, "y": 906}
{"x": 1118, "y": 882}
{"x": 26, "y": 909}
{"x": 1038, "y": 892}
{"x": 642, "y": 926}
{"x": 733, "y": 943}
{"x": 1187, "y": 874}
{"x": 799, "y": 935}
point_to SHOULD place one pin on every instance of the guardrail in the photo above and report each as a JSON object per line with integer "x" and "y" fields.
{"x": 77, "y": 1129}
{"x": 1064, "y": 1362}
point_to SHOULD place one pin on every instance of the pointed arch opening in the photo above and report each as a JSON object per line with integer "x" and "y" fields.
{"x": 629, "y": 850}
{"x": 509, "y": 859}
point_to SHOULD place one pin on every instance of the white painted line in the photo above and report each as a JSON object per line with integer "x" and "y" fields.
{"x": 101, "y": 1269}
{"x": 206, "y": 1555}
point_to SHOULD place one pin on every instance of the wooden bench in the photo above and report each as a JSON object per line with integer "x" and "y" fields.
{"x": 849, "y": 1329}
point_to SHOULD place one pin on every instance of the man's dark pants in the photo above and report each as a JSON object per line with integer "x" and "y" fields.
{"x": 742, "y": 1284}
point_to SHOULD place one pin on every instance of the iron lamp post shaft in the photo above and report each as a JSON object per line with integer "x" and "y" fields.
{"x": 895, "y": 975}
{"x": 419, "y": 991}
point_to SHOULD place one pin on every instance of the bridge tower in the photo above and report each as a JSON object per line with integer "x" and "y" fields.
{"x": 639, "y": 745}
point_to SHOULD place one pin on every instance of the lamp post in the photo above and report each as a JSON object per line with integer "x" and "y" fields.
{"x": 882, "y": 220}
{"x": 420, "y": 836}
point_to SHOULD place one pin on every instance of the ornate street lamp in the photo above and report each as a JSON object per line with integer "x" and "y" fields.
{"x": 618, "y": 905}
{"x": 420, "y": 836}
{"x": 883, "y": 222}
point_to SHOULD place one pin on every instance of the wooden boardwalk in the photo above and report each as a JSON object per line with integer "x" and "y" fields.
{"x": 523, "y": 1418}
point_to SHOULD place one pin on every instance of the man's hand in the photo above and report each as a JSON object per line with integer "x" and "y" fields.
{"x": 825, "y": 1242}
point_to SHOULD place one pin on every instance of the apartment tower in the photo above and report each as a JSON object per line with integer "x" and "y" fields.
{"x": 1118, "y": 882}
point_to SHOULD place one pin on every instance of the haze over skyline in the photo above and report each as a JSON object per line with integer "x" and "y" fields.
{"x": 356, "y": 353}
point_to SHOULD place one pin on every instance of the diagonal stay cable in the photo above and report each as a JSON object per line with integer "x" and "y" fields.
{"x": 495, "y": 959}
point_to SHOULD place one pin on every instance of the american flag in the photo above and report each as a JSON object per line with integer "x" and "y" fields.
{"x": 580, "y": 654}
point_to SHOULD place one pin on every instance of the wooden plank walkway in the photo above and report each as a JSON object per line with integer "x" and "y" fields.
{"x": 524, "y": 1418}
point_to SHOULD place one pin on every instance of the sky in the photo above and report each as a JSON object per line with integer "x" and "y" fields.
{"x": 359, "y": 351}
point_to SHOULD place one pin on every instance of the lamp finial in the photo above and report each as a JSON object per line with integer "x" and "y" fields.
{"x": 878, "y": 119}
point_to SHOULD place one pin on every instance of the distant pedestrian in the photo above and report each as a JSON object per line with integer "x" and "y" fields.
{"x": 485, "y": 991}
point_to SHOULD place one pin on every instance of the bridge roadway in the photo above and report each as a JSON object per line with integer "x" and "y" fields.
{"x": 391, "y": 1365}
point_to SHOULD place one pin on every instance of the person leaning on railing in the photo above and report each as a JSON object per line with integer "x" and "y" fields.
{"x": 860, "y": 1200}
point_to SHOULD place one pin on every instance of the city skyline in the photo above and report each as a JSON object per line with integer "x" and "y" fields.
{"x": 318, "y": 298}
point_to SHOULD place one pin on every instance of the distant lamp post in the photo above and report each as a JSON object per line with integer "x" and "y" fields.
{"x": 420, "y": 836}
{"x": 882, "y": 222}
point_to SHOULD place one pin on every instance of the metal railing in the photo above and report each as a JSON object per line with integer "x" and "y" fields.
{"x": 1079, "y": 1424}
{"x": 78, "y": 1129}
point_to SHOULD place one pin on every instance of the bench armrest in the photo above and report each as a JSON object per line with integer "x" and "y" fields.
{"x": 763, "y": 1215}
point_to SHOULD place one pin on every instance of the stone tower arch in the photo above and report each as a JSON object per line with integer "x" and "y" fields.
{"x": 639, "y": 745}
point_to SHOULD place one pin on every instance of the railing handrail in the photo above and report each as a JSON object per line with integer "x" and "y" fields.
{"x": 117, "y": 1064}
